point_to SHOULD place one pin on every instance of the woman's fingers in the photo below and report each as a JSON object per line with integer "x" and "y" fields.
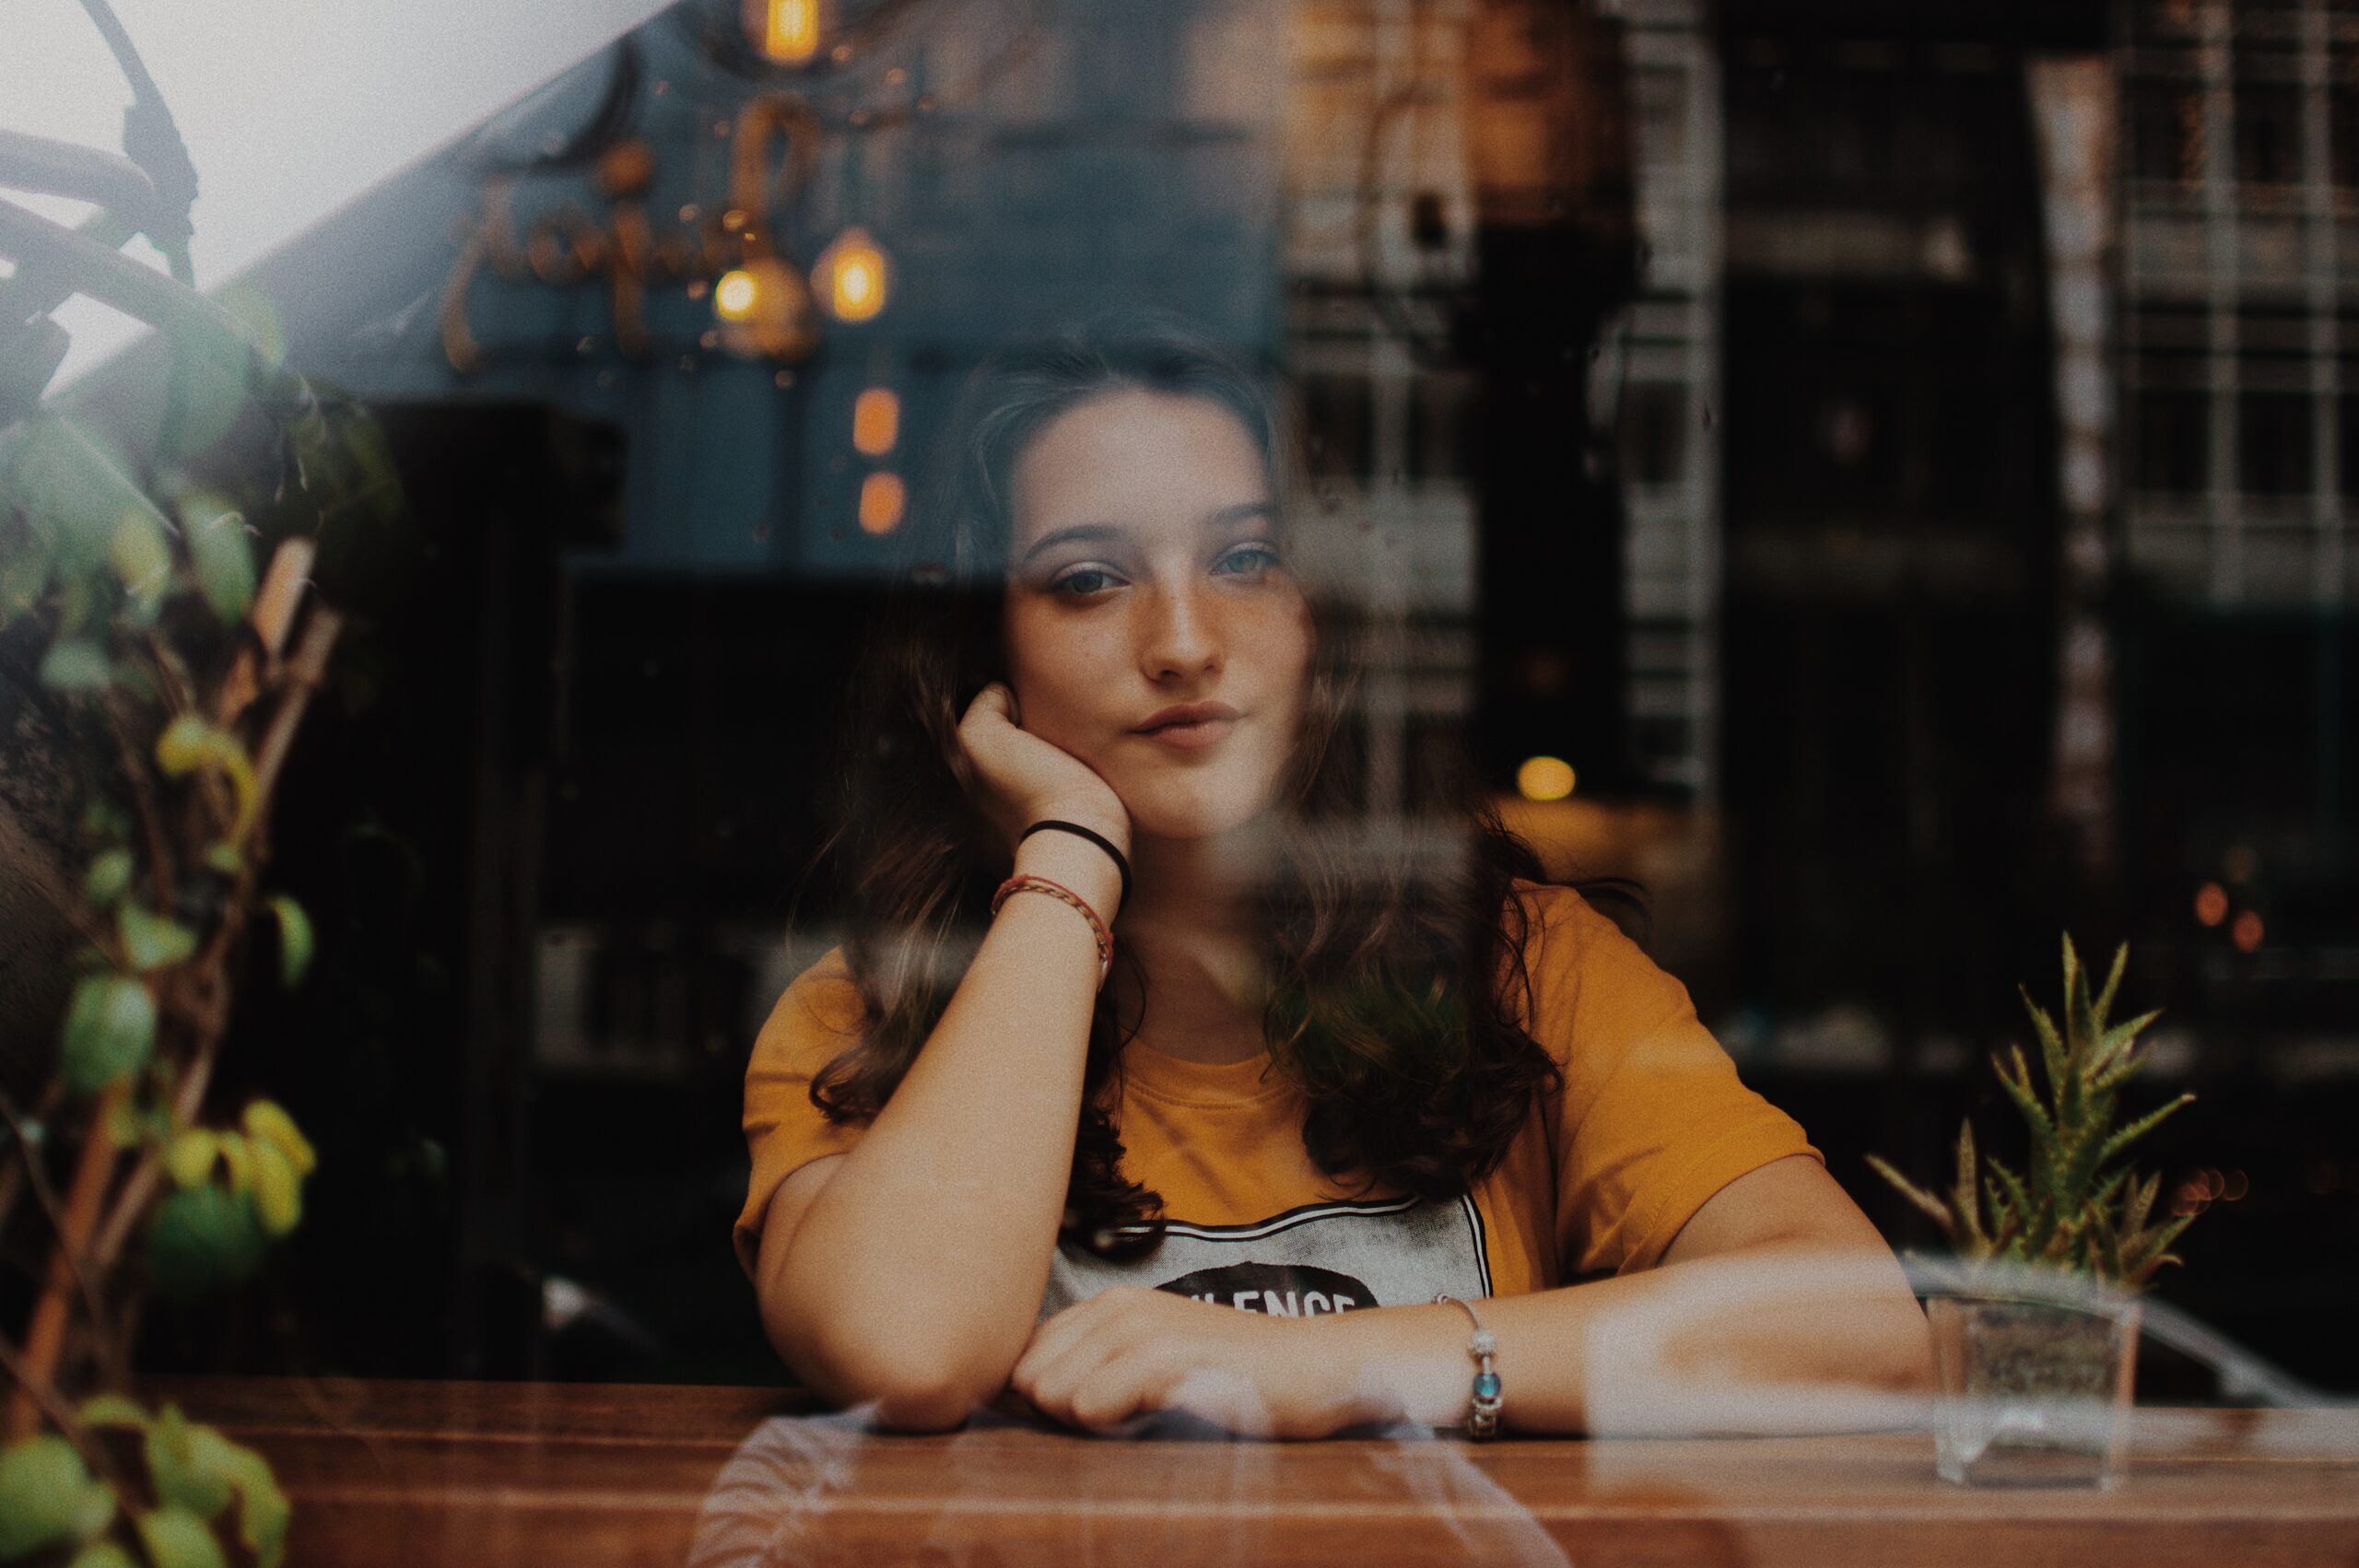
{"x": 995, "y": 701}
{"x": 1074, "y": 1349}
{"x": 1018, "y": 777}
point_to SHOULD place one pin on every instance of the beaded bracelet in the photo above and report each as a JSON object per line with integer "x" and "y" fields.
{"x": 1483, "y": 1414}
{"x": 1026, "y": 881}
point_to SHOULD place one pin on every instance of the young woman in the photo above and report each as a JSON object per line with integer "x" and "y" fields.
{"x": 1345, "y": 1078}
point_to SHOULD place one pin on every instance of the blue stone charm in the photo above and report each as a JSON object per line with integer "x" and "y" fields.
{"x": 1486, "y": 1384}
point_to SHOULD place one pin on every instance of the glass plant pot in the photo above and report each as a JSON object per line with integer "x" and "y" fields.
{"x": 2033, "y": 1393}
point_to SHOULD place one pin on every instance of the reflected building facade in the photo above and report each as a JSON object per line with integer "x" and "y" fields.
{"x": 1702, "y": 372}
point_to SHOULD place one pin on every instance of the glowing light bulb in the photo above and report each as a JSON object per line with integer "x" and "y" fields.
{"x": 786, "y": 31}
{"x": 2210, "y": 904}
{"x": 852, "y": 276}
{"x": 1545, "y": 778}
{"x": 875, "y": 421}
{"x": 735, "y": 296}
{"x": 881, "y": 502}
{"x": 2246, "y": 933}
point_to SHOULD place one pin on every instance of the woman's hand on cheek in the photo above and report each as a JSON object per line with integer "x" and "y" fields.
{"x": 1017, "y": 778}
{"x": 1130, "y": 1352}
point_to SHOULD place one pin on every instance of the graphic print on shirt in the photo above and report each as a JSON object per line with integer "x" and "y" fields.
{"x": 1320, "y": 1257}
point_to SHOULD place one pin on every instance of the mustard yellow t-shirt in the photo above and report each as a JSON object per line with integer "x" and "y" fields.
{"x": 1652, "y": 1122}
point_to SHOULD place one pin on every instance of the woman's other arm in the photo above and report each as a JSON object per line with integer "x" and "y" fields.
{"x": 1776, "y": 1295}
{"x": 1776, "y": 1307}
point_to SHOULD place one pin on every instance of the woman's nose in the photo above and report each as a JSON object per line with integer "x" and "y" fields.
{"x": 1182, "y": 636}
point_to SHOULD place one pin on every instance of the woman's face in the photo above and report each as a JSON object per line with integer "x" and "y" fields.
{"x": 1146, "y": 573}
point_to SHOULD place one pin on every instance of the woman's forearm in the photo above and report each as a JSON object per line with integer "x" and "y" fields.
{"x": 1780, "y": 1337}
{"x": 916, "y": 1271}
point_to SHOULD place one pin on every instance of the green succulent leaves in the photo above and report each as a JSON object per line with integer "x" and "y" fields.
{"x": 47, "y": 1497}
{"x": 151, "y": 941}
{"x": 190, "y": 744}
{"x": 294, "y": 940}
{"x": 215, "y": 531}
{"x": 2071, "y": 1206}
{"x": 202, "y": 1239}
{"x": 110, "y": 1032}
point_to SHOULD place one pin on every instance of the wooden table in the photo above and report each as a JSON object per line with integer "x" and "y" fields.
{"x": 591, "y": 1475}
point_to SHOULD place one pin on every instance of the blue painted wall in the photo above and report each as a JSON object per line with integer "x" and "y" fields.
{"x": 1115, "y": 153}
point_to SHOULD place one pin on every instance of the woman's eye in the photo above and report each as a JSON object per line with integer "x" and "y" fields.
{"x": 1078, "y": 584}
{"x": 1248, "y": 559}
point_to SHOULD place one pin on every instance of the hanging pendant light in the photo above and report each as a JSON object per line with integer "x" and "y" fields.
{"x": 852, "y": 276}
{"x": 785, "y": 31}
{"x": 765, "y": 308}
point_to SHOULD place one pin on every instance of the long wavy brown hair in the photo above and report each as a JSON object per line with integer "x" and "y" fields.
{"x": 1399, "y": 968}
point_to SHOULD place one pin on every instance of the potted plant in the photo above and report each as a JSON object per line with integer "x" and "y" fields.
{"x": 2036, "y": 1322}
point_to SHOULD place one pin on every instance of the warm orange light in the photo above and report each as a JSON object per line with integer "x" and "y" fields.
{"x": 735, "y": 296}
{"x": 788, "y": 30}
{"x": 2246, "y": 933}
{"x": 1545, "y": 778}
{"x": 851, "y": 276}
{"x": 875, "y": 421}
{"x": 880, "y": 499}
{"x": 2210, "y": 904}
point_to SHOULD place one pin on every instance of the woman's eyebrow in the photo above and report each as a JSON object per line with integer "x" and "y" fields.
{"x": 1103, "y": 532}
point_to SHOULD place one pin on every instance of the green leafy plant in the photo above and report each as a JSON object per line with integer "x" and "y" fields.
{"x": 2075, "y": 1205}
{"x": 180, "y": 675}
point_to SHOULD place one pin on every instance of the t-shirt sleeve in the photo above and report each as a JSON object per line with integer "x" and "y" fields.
{"x": 1654, "y": 1119}
{"x": 819, "y": 1016}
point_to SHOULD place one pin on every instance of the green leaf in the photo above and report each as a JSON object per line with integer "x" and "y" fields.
{"x": 2137, "y": 1129}
{"x": 141, "y": 551}
{"x": 262, "y": 1510}
{"x": 2117, "y": 1039}
{"x": 2052, "y": 1045}
{"x": 210, "y": 381}
{"x": 75, "y": 664}
{"x": 2112, "y": 979}
{"x": 183, "y": 1461}
{"x": 103, "y": 821}
{"x": 48, "y": 1496}
{"x": 74, "y": 494}
{"x": 2140, "y": 1202}
{"x": 151, "y": 941}
{"x": 192, "y": 1154}
{"x": 294, "y": 940}
{"x": 266, "y": 1122}
{"x": 113, "y": 1410}
{"x": 1961, "y": 1194}
{"x": 24, "y": 575}
{"x": 2018, "y": 1087}
{"x": 2151, "y": 1255}
{"x": 2027, "y": 1214}
{"x": 1917, "y": 1195}
{"x": 238, "y": 1155}
{"x": 252, "y": 310}
{"x": 110, "y": 1032}
{"x": 189, "y": 743}
{"x": 202, "y": 1239}
{"x": 217, "y": 548}
{"x": 225, "y": 858}
{"x": 108, "y": 877}
{"x": 177, "y": 1539}
{"x": 103, "y": 1554}
{"x": 278, "y": 1191}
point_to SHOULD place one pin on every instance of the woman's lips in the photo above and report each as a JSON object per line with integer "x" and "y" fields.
{"x": 1190, "y": 737}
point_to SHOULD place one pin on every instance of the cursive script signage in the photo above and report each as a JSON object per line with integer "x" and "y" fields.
{"x": 569, "y": 246}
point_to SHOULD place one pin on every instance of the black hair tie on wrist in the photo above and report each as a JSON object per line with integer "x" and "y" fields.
{"x": 1099, "y": 839}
